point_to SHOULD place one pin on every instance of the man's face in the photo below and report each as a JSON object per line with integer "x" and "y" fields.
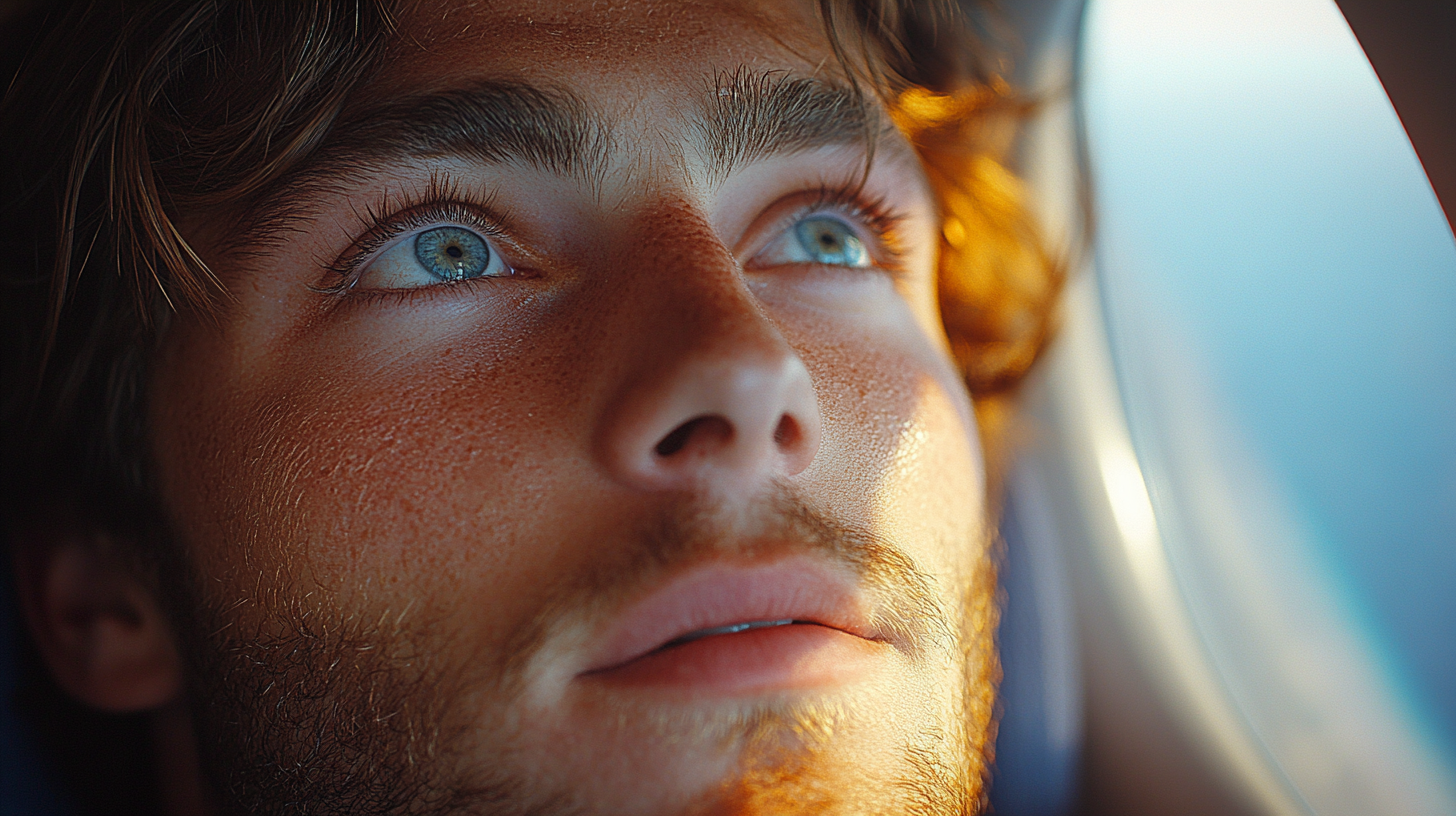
{"x": 582, "y": 346}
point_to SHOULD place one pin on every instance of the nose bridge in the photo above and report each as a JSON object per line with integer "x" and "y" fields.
{"x": 676, "y": 252}
{"x": 690, "y": 303}
{"x": 712, "y": 396}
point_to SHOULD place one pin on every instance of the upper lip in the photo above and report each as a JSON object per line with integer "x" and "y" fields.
{"x": 798, "y": 589}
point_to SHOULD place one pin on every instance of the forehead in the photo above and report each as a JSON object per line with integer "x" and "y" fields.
{"x": 640, "y": 52}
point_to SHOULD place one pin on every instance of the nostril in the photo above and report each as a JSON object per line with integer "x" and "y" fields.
{"x": 706, "y": 428}
{"x": 674, "y": 442}
{"x": 786, "y": 433}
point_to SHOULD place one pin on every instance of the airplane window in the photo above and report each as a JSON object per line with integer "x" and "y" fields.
{"x": 1249, "y": 424}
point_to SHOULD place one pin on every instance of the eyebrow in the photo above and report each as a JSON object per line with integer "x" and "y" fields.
{"x": 751, "y": 116}
{"x": 493, "y": 122}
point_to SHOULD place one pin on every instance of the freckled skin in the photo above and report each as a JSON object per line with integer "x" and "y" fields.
{"x": 425, "y": 469}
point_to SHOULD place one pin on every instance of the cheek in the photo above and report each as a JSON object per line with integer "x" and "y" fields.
{"x": 385, "y": 467}
{"x": 931, "y": 498}
{"x": 901, "y": 456}
{"x": 900, "y": 453}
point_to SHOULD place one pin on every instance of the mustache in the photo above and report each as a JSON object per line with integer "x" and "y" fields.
{"x": 907, "y": 610}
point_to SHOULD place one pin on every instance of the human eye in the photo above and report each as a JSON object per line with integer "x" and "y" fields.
{"x": 445, "y": 253}
{"x": 438, "y": 239}
{"x": 831, "y": 228}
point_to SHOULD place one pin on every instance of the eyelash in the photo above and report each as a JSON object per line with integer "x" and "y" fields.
{"x": 445, "y": 201}
{"x": 392, "y": 216}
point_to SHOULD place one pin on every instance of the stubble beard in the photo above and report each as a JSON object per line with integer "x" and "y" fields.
{"x": 306, "y": 712}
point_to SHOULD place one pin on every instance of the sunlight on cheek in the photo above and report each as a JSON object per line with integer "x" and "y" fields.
{"x": 931, "y": 495}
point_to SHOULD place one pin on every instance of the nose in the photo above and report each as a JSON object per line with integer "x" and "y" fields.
{"x": 716, "y": 399}
{"x": 722, "y": 423}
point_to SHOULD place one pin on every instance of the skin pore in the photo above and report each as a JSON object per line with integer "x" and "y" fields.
{"x": 412, "y": 514}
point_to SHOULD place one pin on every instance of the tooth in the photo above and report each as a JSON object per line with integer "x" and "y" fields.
{"x": 730, "y": 629}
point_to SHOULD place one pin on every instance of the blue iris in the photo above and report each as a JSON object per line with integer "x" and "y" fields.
{"x": 452, "y": 253}
{"x": 831, "y": 241}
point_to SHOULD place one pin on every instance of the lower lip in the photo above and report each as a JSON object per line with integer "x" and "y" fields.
{"x": 773, "y": 658}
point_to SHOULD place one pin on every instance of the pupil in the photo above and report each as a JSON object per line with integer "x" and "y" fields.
{"x": 453, "y": 251}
